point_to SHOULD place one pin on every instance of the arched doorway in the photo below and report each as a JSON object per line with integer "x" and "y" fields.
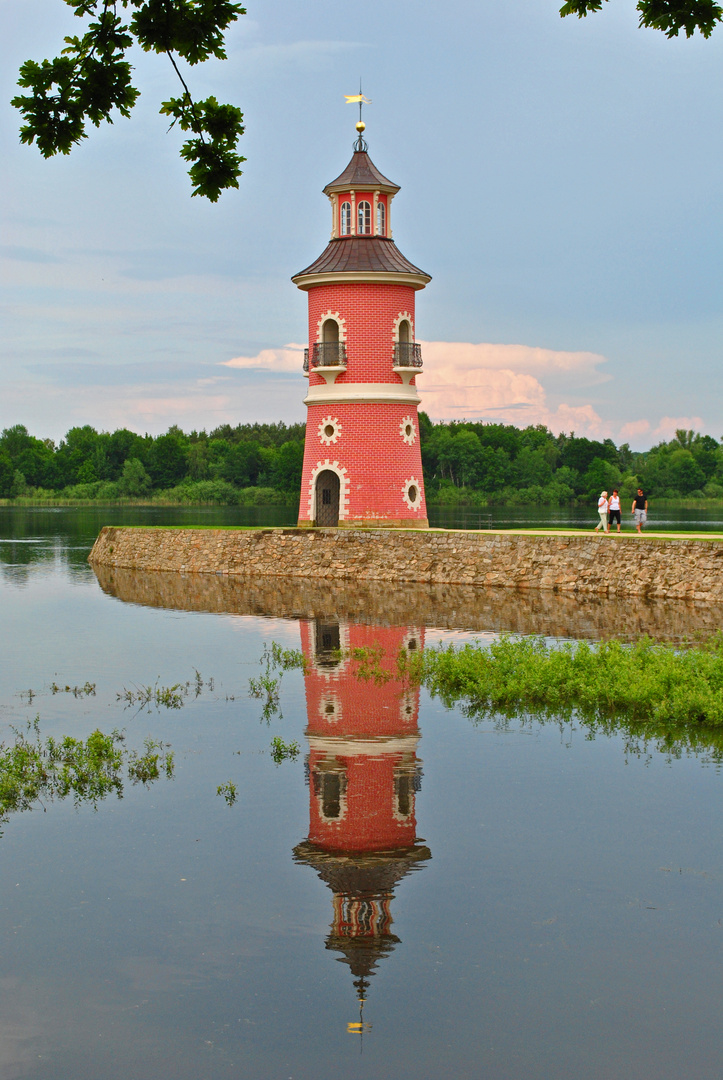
{"x": 327, "y": 498}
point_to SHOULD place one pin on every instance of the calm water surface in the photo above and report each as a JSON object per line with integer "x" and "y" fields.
{"x": 512, "y": 903}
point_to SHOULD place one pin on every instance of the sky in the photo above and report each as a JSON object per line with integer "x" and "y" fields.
{"x": 560, "y": 181}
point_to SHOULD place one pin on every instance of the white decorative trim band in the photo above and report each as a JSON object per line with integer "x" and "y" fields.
{"x": 349, "y": 747}
{"x": 360, "y": 393}
{"x": 384, "y": 277}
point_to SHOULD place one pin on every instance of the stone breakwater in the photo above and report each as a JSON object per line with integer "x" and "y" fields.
{"x": 622, "y": 566}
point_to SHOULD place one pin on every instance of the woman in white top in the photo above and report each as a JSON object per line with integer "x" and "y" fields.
{"x": 602, "y": 509}
{"x": 614, "y": 509}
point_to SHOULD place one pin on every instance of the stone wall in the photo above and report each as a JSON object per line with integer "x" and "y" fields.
{"x": 594, "y": 565}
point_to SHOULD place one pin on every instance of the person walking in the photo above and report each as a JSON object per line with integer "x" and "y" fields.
{"x": 614, "y": 514}
{"x": 602, "y": 509}
{"x": 640, "y": 510}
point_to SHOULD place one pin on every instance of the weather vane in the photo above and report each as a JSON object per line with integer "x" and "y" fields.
{"x": 352, "y": 99}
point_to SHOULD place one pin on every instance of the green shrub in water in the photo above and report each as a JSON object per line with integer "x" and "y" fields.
{"x": 281, "y": 750}
{"x": 646, "y": 681}
{"x": 34, "y": 770}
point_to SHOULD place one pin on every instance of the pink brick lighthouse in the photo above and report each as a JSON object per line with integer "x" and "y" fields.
{"x": 362, "y": 461}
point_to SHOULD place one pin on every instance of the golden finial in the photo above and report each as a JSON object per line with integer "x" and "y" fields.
{"x": 354, "y": 99}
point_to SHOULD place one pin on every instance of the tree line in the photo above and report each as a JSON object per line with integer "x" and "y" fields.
{"x": 504, "y": 464}
{"x": 262, "y": 460}
{"x": 464, "y": 463}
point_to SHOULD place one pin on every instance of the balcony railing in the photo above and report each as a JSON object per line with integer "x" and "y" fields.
{"x": 325, "y": 354}
{"x": 408, "y": 354}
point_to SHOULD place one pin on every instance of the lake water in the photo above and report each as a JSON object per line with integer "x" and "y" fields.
{"x": 511, "y": 902}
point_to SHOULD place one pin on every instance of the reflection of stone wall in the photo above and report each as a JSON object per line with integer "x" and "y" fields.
{"x": 448, "y": 606}
{"x": 624, "y": 566}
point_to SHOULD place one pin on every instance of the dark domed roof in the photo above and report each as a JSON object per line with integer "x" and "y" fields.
{"x": 361, "y": 173}
{"x": 361, "y": 254}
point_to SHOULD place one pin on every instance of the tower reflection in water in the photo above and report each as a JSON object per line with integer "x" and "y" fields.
{"x": 363, "y": 775}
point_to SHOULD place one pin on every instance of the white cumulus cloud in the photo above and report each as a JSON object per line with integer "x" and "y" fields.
{"x": 485, "y": 381}
{"x": 288, "y": 358}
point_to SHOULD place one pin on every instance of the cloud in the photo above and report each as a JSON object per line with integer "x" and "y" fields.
{"x": 582, "y": 419}
{"x": 306, "y": 55}
{"x": 456, "y": 356}
{"x": 668, "y": 425}
{"x": 27, "y": 254}
{"x": 288, "y": 358}
{"x": 463, "y": 380}
{"x": 634, "y": 430}
{"x": 515, "y": 384}
{"x": 51, "y": 409}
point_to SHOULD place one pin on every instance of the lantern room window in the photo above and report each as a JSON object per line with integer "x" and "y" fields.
{"x": 381, "y": 219}
{"x": 346, "y": 219}
{"x": 364, "y": 218}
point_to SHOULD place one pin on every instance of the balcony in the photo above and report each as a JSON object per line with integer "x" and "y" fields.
{"x": 407, "y": 360}
{"x": 326, "y": 358}
{"x": 408, "y": 354}
{"x": 328, "y": 354}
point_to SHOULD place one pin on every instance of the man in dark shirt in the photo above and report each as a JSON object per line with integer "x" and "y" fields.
{"x": 640, "y": 510}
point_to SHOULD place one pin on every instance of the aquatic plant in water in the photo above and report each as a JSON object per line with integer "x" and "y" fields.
{"x": 87, "y": 690}
{"x": 34, "y": 770}
{"x": 281, "y": 750}
{"x": 644, "y": 682}
{"x": 229, "y": 792}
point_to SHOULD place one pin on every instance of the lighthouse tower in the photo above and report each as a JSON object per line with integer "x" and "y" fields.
{"x": 362, "y": 460}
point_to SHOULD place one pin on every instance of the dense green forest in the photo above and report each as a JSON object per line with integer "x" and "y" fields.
{"x": 260, "y": 464}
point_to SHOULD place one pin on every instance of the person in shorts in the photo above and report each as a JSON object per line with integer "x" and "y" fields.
{"x": 614, "y": 514}
{"x": 602, "y": 509}
{"x": 640, "y": 510}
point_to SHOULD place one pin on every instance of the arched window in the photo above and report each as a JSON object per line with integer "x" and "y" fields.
{"x": 364, "y": 218}
{"x": 346, "y": 219}
{"x": 405, "y": 332}
{"x": 381, "y": 219}
{"x": 330, "y": 331}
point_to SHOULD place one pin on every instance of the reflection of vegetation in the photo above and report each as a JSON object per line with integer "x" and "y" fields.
{"x": 229, "y": 792}
{"x": 266, "y": 687}
{"x": 281, "y": 750}
{"x": 673, "y": 740}
{"x": 142, "y": 768}
{"x": 645, "y": 683}
{"x": 369, "y": 658}
{"x": 166, "y": 697}
{"x": 34, "y": 769}
{"x": 87, "y": 690}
